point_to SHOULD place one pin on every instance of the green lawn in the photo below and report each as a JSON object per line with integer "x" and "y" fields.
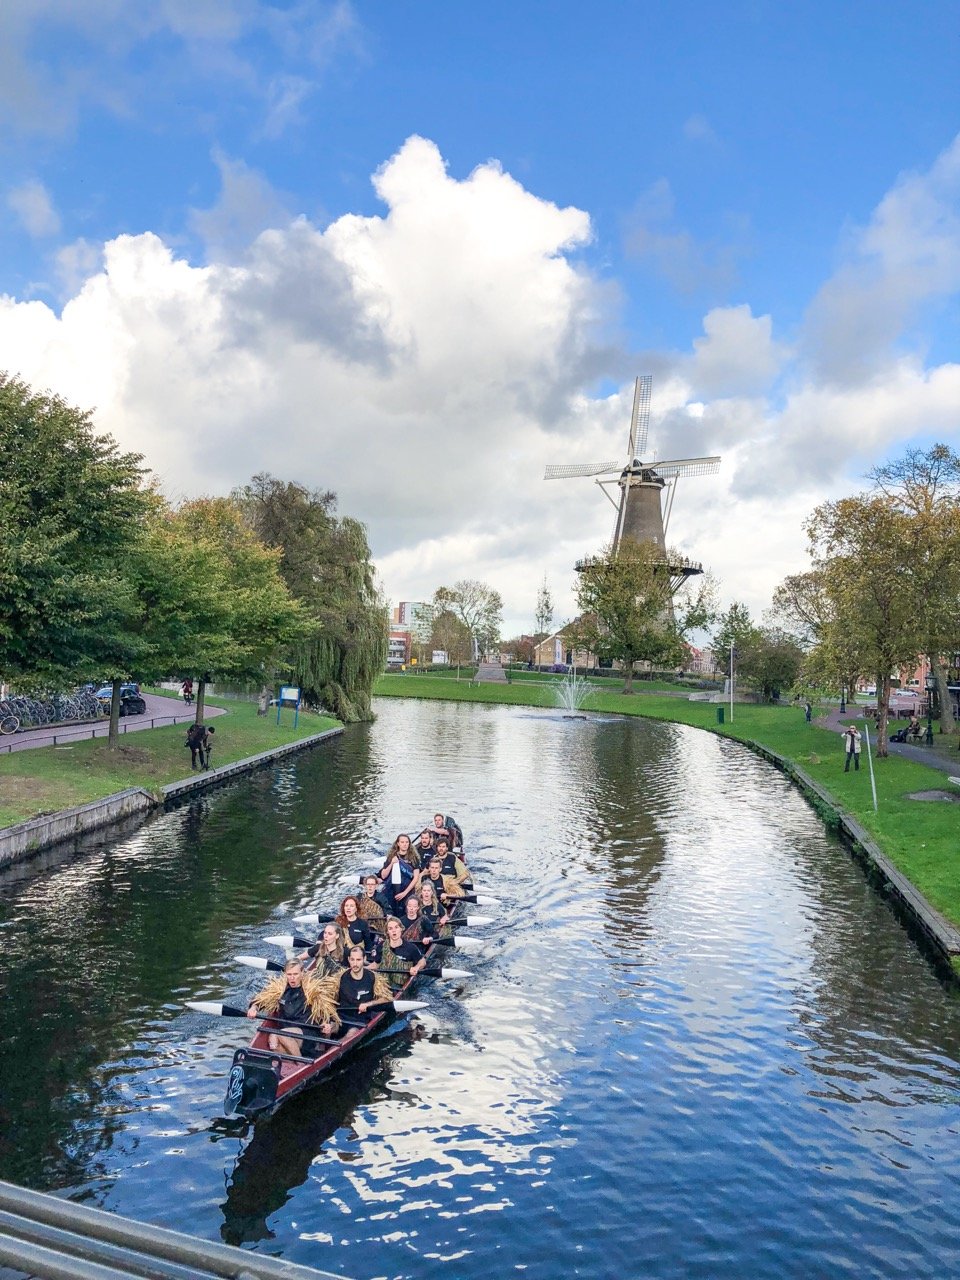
{"x": 47, "y": 779}
{"x": 920, "y": 837}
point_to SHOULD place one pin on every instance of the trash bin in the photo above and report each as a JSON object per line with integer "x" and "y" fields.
{"x": 720, "y": 710}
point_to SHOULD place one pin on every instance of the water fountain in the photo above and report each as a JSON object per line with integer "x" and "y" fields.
{"x": 572, "y": 692}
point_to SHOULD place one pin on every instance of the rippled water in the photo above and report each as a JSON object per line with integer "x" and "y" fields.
{"x": 698, "y": 1043}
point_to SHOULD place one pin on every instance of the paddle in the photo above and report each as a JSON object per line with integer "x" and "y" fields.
{"x": 291, "y": 940}
{"x": 465, "y": 921}
{"x": 218, "y": 1010}
{"x": 257, "y": 962}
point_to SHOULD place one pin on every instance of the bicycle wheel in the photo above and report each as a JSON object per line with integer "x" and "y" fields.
{"x": 9, "y": 724}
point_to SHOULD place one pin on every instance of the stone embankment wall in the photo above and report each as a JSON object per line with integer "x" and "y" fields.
{"x": 27, "y": 838}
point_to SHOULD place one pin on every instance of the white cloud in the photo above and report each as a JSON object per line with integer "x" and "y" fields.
{"x": 426, "y": 363}
{"x": 690, "y": 265}
{"x": 905, "y": 258}
{"x": 31, "y": 202}
{"x": 697, "y": 128}
{"x": 247, "y": 205}
{"x": 92, "y": 58}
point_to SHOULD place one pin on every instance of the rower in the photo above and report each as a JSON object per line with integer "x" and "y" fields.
{"x": 451, "y": 865}
{"x": 435, "y": 919}
{"x": 445, "y": 887}
{"x": 294, "y": 998}
{"x": 361, "y": 990}
{"x": 448, "y": 828}
{"x": 354, "y": 927}
{"x": 399, "y": 871}
{"x": 424, "y": 846}
{"x": 401, "y": 959}
{"x": 328, "y": 951}
{"x": 413, "y": 922}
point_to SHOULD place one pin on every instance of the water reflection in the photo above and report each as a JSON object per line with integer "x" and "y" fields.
{"x": 697, "y": 1043}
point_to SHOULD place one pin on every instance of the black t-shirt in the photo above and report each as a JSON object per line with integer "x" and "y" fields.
{"x": 408, "y": 950}
{"x": 359, "y": 932}
{"x": 293, "y": 1005}
{"x": 356, "y": 991}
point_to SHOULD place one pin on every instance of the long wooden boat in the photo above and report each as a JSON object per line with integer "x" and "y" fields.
{"x": 261, "y": 1079}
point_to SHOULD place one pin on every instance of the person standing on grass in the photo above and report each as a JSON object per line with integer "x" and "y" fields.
{"x": 807, "y": 712}
{"x": 195, "y": 735}
{"x": 206, "y": 747}
{"x": 852, "y": 737}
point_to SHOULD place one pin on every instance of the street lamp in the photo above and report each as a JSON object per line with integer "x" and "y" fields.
{"x": 843, "y": 699}
{"x": 931, "y": 683}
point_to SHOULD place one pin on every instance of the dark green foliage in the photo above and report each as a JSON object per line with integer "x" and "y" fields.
{"x": 70, "y": 501}
{"x": 325, "y": 561}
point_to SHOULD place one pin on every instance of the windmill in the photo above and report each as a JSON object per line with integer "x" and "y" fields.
{"x": 641, "y": 514}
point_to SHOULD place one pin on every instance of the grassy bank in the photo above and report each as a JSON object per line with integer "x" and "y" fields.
{"x": 47, "y": 779}
{"x": 920, "y": 837}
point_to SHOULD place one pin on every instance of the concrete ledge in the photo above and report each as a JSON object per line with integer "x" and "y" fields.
{"x": 55, "y": 828}
{"x": 200, "y": 781}
{"x": 30, "y": 837}
{"x": 943, "y": 936}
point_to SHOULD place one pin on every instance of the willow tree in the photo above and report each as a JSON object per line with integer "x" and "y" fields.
{"x": 325, "y": 562}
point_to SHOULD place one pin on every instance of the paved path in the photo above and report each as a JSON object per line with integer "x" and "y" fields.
{"x": 160, "y": 711}
{"x": 942, "y": 755}
{"x": 491, "y": 672}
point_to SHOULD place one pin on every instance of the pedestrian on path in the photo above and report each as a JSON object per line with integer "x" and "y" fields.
{"x": 853, "y": 741}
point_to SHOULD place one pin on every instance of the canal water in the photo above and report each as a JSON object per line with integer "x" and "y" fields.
{"x": 697, "y": 1044}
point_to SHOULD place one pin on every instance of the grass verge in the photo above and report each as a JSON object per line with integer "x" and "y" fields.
{"x": 919, "y": 837}
{"x": 48, "y": 779}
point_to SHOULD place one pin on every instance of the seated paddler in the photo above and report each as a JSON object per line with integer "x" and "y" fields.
{"x": 359, "y": 990}
{"x": 401, "y": 959}
{"x": 302, "y": 1004}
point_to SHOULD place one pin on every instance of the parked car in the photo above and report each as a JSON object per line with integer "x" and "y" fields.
{"x": 131, "y": 700}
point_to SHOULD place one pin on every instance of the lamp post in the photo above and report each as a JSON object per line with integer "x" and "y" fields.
{"x": 843, "y": 699}
{"x": 931, "y": 683}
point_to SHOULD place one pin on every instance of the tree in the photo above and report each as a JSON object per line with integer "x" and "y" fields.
{"x": 630, "y": 611}
{"x": 477, "y": 606}
{"x": 925, "y": 486}
{"x": 543, "y": 616}
{"x": 770, "y": 660}
{"x": 735, "y": 627}
{"x": 325, "y": 562}
{"x": 70, "y": 504}
{"x": 452, "y": 636}
{"x": 862, "y": 546}
{"x": 241, "y": 633}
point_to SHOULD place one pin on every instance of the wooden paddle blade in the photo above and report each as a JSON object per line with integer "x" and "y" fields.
{"x": 257, "y": 962}
{"x": 409, "y": 1006}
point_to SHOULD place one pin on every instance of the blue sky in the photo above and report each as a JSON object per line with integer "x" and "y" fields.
{"x": 776, "y": 183}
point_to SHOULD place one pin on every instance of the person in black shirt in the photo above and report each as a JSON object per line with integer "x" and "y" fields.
{"x": 435, "y": 918}
{"x": 424, "y": 846}
{"x": 361, "y": 990}
{"x": 288, "y": 999}
{"x": 354, "y": 927}
{"x": 401, "y": 958}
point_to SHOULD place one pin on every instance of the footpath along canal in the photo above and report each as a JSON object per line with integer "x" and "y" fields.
{"x": 698, "y": 1044}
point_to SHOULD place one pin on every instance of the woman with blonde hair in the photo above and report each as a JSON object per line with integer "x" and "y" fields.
{"x": 328, "y": 952}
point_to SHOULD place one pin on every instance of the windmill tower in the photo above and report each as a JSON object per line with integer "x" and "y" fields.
{"x": 642, "y": 514}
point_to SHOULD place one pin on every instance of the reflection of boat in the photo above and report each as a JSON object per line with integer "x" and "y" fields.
{"x": 261, "y": 1078}
{"x": 278, "y": 1156}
